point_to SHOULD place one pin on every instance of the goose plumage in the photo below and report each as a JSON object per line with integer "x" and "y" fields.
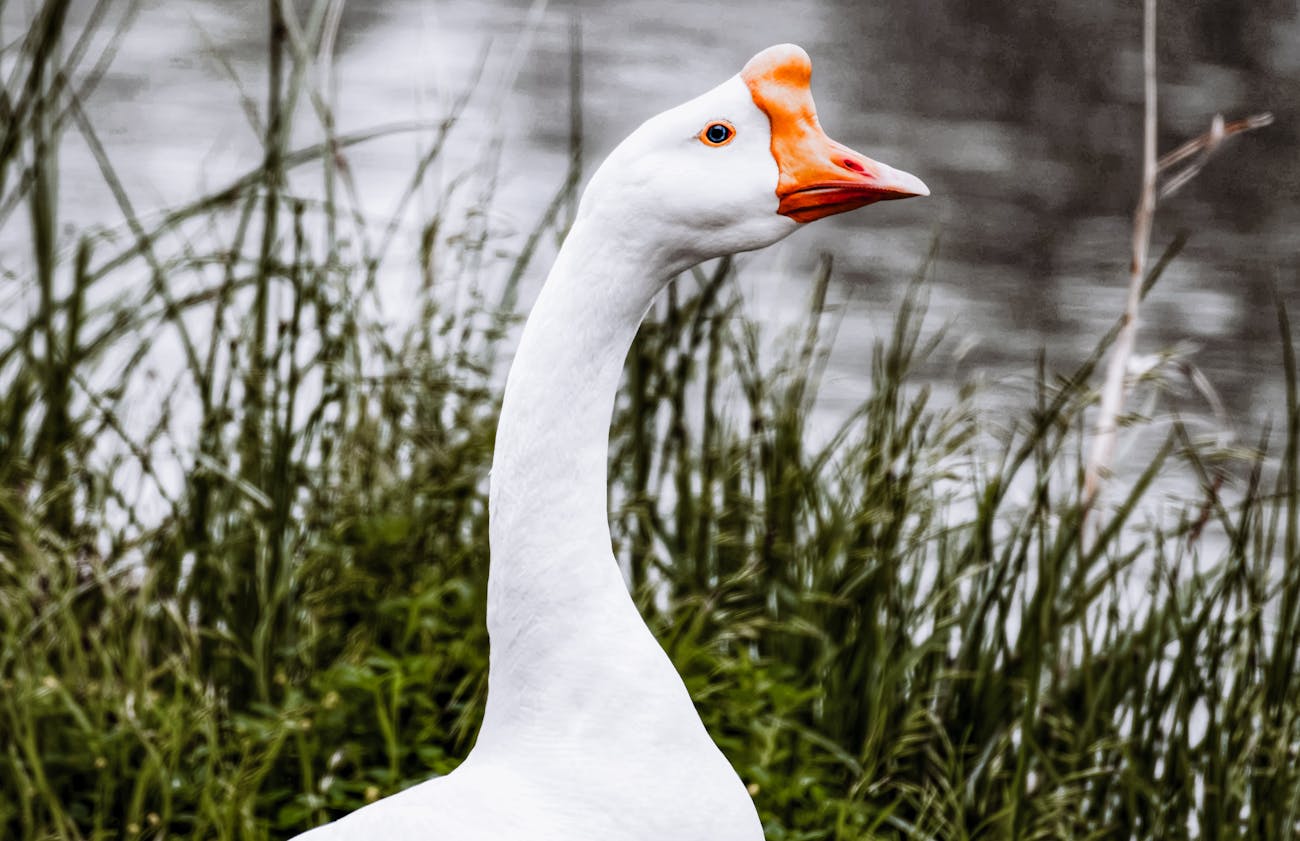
{"x": 589, "y": 732}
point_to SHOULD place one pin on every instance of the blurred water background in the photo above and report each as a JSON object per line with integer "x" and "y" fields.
{"x": 1024, "y": 119}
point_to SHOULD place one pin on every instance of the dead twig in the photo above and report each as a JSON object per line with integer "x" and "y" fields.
{"x": 1203, "y": 148}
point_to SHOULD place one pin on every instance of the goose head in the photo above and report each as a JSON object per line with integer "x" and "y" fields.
{"x": 737, "y": 168}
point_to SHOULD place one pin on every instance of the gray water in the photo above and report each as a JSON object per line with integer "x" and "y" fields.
{"x": 1023, "y": 118}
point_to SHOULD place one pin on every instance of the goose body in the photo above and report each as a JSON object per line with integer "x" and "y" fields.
{"x": 589, "y": 732}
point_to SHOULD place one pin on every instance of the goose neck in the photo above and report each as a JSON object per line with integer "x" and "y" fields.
{"x": 549, "y": 527}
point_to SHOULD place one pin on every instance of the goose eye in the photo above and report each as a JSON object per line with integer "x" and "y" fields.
{"x": 718, "y": 133}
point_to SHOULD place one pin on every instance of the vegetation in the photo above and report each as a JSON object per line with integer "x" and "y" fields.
{"x": 263, "y": 607}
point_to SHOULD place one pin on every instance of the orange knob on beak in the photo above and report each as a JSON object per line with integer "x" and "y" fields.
{"x": 818, "y": 177}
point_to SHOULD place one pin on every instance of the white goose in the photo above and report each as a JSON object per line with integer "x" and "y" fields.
{"x": 589, "y": 732}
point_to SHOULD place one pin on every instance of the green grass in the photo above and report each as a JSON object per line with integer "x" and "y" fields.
{"x": 909, "y": 631}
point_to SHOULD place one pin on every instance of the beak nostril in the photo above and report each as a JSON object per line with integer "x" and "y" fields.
{"x": 849, "y": 163}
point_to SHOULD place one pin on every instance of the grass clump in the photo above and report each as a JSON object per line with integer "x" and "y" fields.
{"x": 262, "y": 606}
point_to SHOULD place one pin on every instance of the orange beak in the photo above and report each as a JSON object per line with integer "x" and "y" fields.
{"x": 818, "y": 177}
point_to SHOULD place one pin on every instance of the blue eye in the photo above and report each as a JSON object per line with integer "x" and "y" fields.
{"x": 718, "y": 133}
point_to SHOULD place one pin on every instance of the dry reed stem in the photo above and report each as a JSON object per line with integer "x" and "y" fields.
{"x": 1198, "y": 150}
{"x": 1112, "y": 392}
